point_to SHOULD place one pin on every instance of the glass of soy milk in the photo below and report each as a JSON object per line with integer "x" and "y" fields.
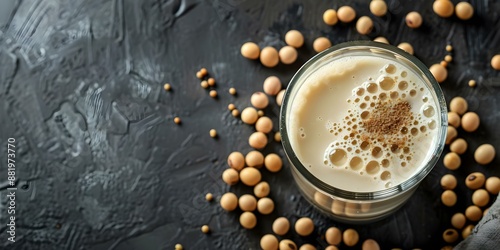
{"x": 362, "y": 124}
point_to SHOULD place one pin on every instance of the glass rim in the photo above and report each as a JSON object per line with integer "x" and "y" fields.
{"x": 402, "y": 187}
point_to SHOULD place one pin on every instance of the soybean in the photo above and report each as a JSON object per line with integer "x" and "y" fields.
{"x": 304, "y": 226}
{"x": 475, "y": 180}
{"x": 484, "y": 154}
{"x": 248, "y": 220}
{"x": 250, "y": 176}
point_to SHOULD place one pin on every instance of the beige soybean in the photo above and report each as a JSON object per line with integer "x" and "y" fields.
{"x": 473, "y": 213}
{"x": 231, "y": 106}
{"x": 330, "y": 17}
{"x": 177, "y": 120}
{"x": 213, "y": 133}
{"x": 495, "y": 62}
{"x": 250, "y": 176}
{"x": 232, "y": 91}
{"x": 350, "y": 237}
{"x": 262, "y": 189}
{"x": 333, "y": 236}
{"x": 250, "y": 50}
{"x": 273, "y": 162}
{"x": 464, "y": 10}
{"x": 443, "y": 8}
{"x": 279, "y": 97}
{"x": 493, "y": 185}
{"x": 235, "y": 112}
{"x": 307, "y": 247}
{"x": 346, "y": 14}
{"x": 485, "y": 212}
{"x": 480, "y": 197}
{"x": 249, "y": 115}
{"x": 264, "y": 124}
{"x": 287, "y": 245}
{"x": 211, "y": 81}
{"x": 205, "y": 229}
{"x": 269, "y": 242}
{"x": 229, "y": 201}
{"x": 450, "y": 235}
{"x": 452, "y": 161}
{"x": 213, "y": 93}
{"x": 272, "y": 85}
{"x": 470, "y": 121}
{"x": 448, "y": 48}
{"x": 281, "y": 226}
{"x": 331, "y": 248}
{"x": 254, "y": 159}
{"x": 406, "y": 47}
{"x": 484, "y": 154}
{"x": 413, "y": 20}
{"x": 475, "y": 180}
{"x": 467, "y": 231}
{"x": 448, "y": 182}
{"x": 321, "y": 43}
{"x": 269, "y": 57}
{"x": 304, "y": 226}
{"x": 247, "y": 202}
{"x": 458, "y": 220}
{"x": 178, "y": 247}
{"x": 439, "y": 72}
{"x": 265, "y": 205}
{"x": 472, "y": 83}
{"x": 449, "y": 198}
{"x": 204, "y": 84}
{"x": 248, "y": 220}
{"x": 370, "y": 244}
{"x": 458, "y": 105}
{"x": 236, "y": 160}
{"x": 209, "y": 197}
{"x": 294, "y": 38}
{"x": 338, "y": 207}
{"x": 381, "y": 39}
{"x": 277, "y": 137}
{"x": 288, "y": 55}
{"x": 230, "y": 176}
{"x": 453, "y": 119}
{"x": 364, "y": 25}
{"x": 458, "y": 146}
{"x": 378, "y": 7}
{"x": 257, "y": 140}
{"x": 259, "y": 100}
{"x": 451, "y": 134}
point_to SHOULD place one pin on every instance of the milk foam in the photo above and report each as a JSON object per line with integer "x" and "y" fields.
{"x": 328, "y": 133}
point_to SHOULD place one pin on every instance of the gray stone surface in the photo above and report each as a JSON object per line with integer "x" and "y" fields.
{"x": 100, "y": 163}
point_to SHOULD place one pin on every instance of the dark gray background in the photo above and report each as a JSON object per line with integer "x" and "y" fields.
{"x": 101, "y": 164}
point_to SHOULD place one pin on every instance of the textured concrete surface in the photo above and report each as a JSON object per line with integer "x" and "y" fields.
{"x": 100, "y": 163}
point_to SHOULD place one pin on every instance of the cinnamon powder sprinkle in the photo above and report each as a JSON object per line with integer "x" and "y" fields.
{"x": 387, "y": 119}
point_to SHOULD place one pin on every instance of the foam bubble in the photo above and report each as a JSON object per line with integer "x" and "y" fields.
{"x": 356, "y": 163}
{"x": 372, "y": 167}
{"x": 386, "y": 83}
{"x": 372, "y": 87}
{"x": 338, "y": 157}
{"x": 390, "y": 68}
{"x": 385, "y": 162}
{"x": 377, "y": 152}
{"x": 428, "y": 111}
{"x": 386, "y": 175}
{"x": 402, "y": 85}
